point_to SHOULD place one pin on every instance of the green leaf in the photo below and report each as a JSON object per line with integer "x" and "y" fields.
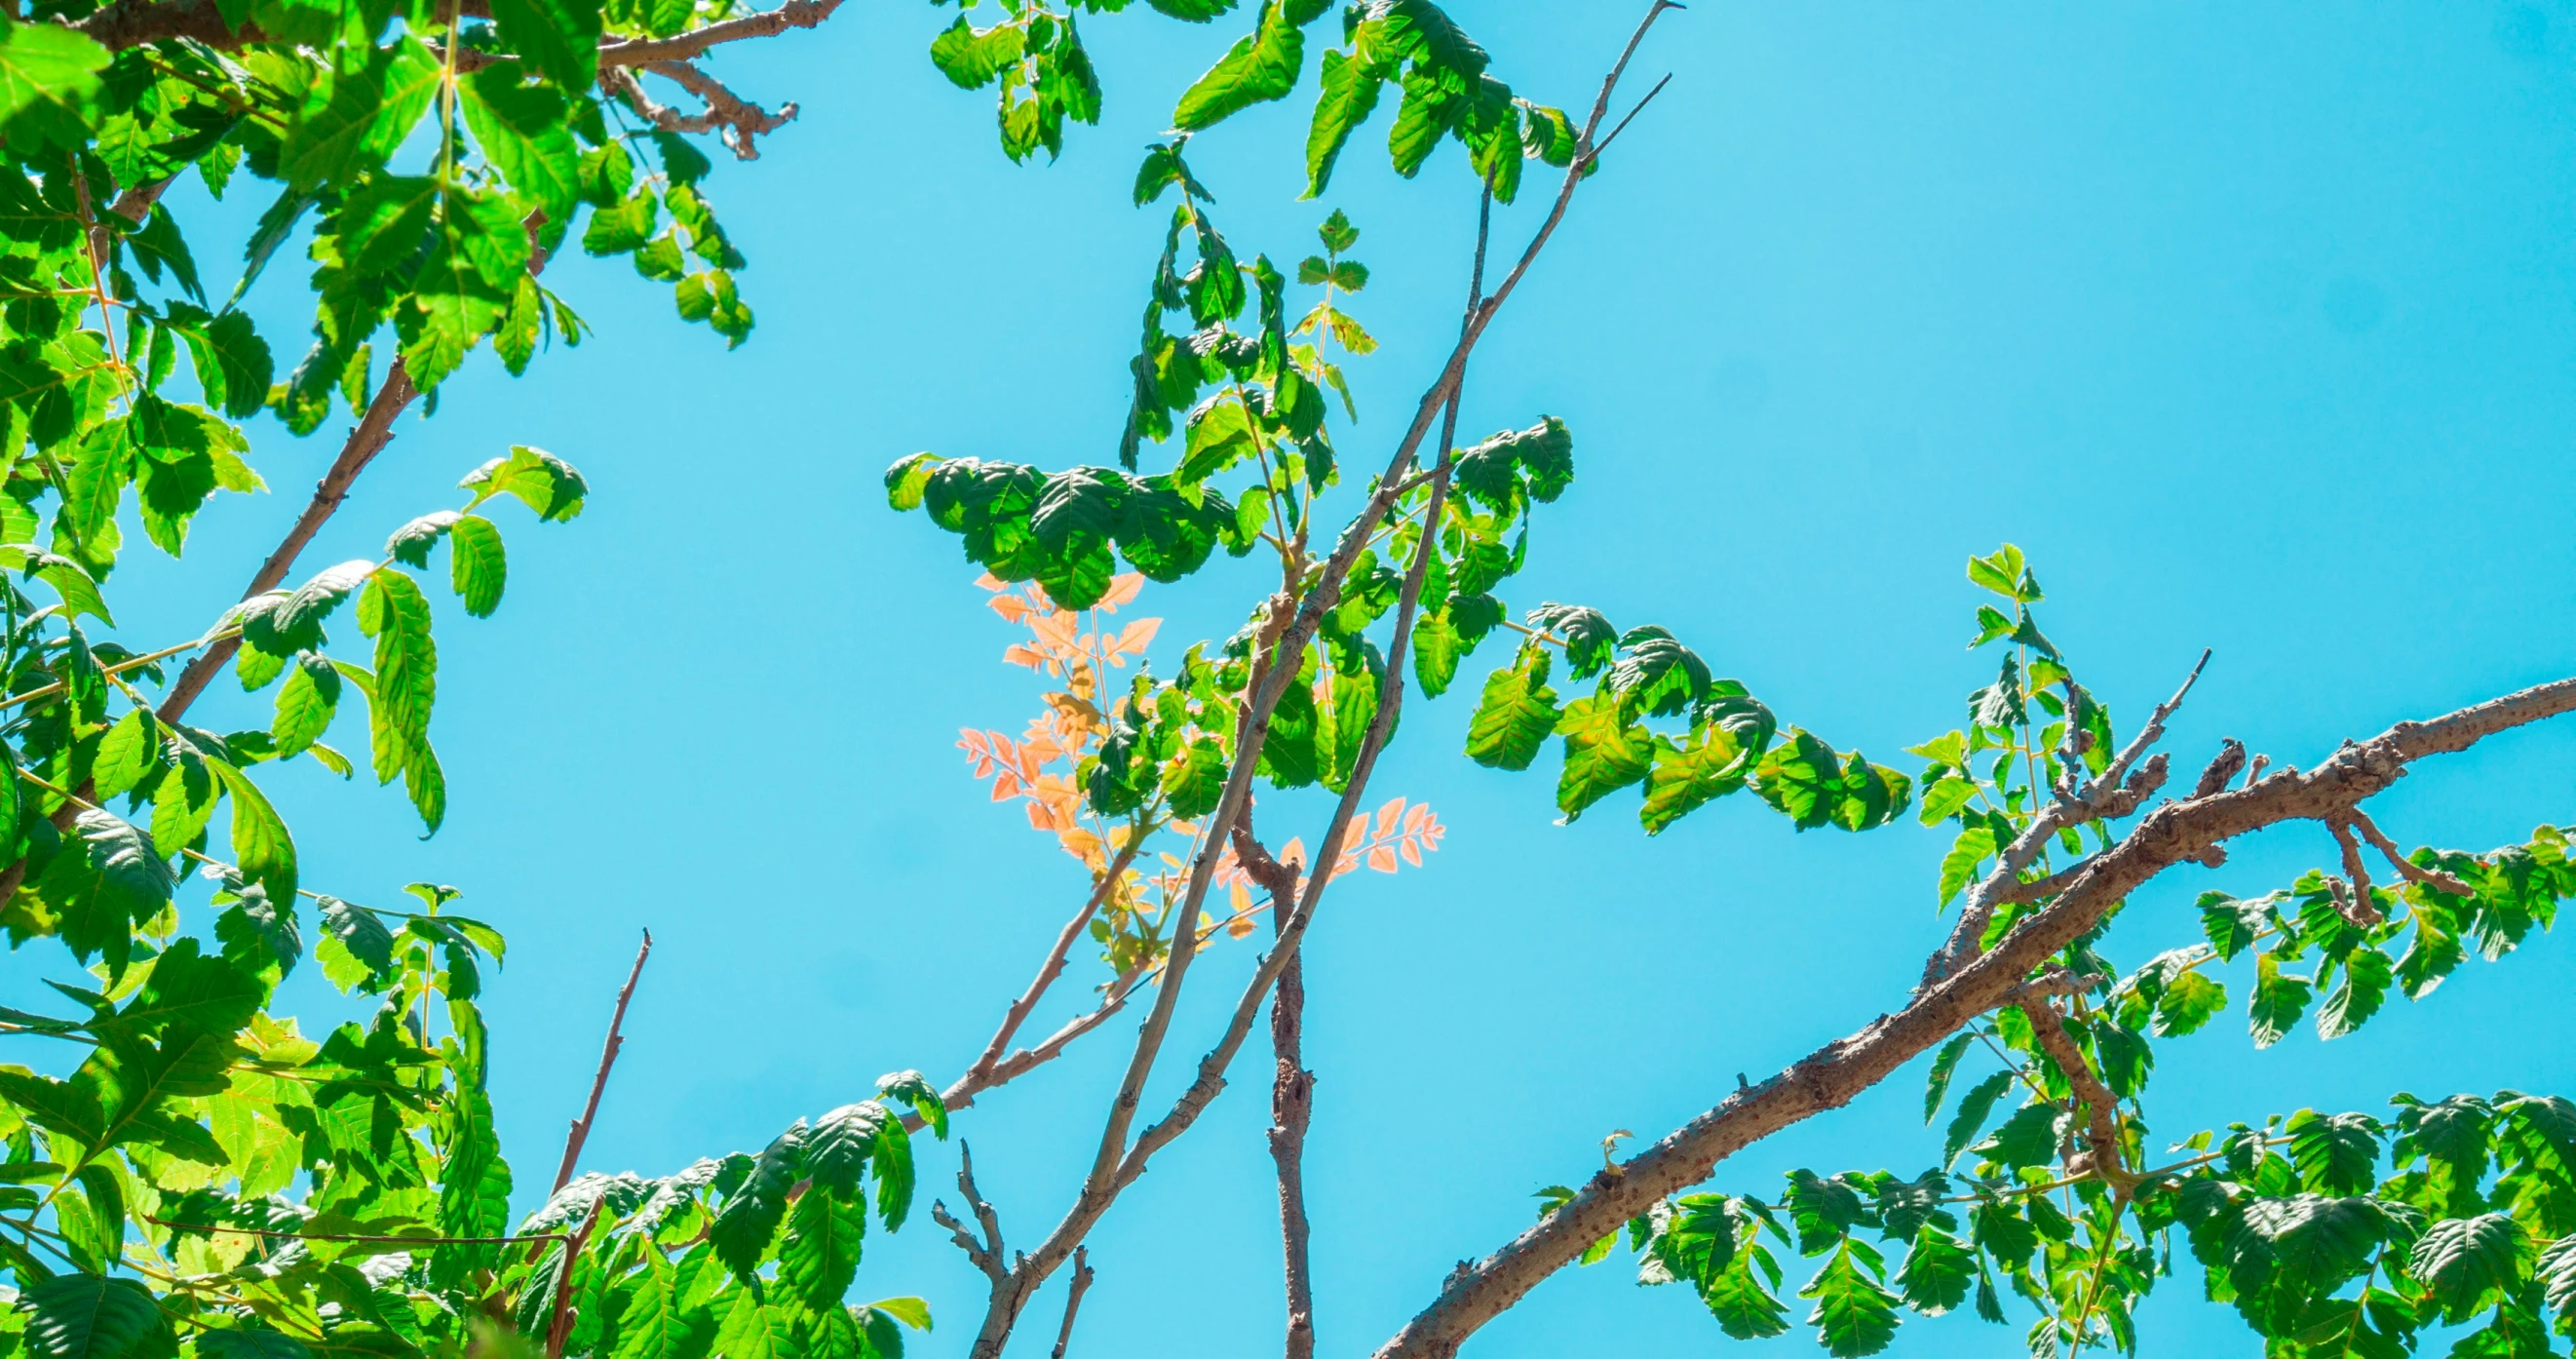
{"x": 368, "y": 112}
{"x": 2279, "y": 999}
{"x": 2557, "y": 1274}
{"x": 742, "y": 1231}
{"x": 1937, "y": 1271}
{"x": 652, "y": 1324}
{"x": 1259, "y": 68}
{"x": 2002, "y": 573}
{"x": 755, "y": 1330}
{"x": 305, "y": 704}
{"x": 914, "y": 1089}
{"x": 48, "y": 84}
{"x": 2190, "y": 1000}
{"x": 394, "y": 612}
{"x": 1349, "y": 94}
{"x": 2124, "y": 1056}
{"x": 542, "y": 481}
{"x": 2466, "y": 1262}
{"x": 56, "y": 1106}
{"x": 1824, "y": 1209}
{"x": 1516, "y": 714}
{"x": 1803, "y": 779}
{"x": 1604, "y": 752}
{"x": 1194, "y": 779}
{"x": 246, "y": 1343}
{"x": 88, "y": 1316}
{"x": 2029, "y": 1138}
{"x": 356, "y": 934}
{"x": 411, "y": 543}
{"x": 1854, "y": 1314}
{"x": 384, "y": 223}
{"x": 2316, "y": 1242}
{"x": 1687, "y": 777}
{"x": 558, "y": 37}
{"x": 1945, "y": 1062}
{"x": 1744, "y": 1308}
{"x": 617, "y": 229}
{"x": 2335, "y": 1154}
{"x": 972, "y": 58}
{"x": 521, "y": 130}
{"x": 2359, "y": 991}
{"x": 261, "y": 845}
{"x": 842, "y": 1143}
{"x": 1971, "y": 1118}
{"x": 1973, "y": 846}
{"x": 131, "y": 749}
{"x": 478, "y": 565}
{"x": 822, "y": 1251}
{"x": 1698, "y": 1243}
{"x": 2231, "y": 925}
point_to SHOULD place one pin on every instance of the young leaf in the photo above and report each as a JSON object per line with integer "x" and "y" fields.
{"x": 478, "y": 565}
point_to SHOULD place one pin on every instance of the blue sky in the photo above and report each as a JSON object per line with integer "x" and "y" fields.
{"x": 2253, "y": 324}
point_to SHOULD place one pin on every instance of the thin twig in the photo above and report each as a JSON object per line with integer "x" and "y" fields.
{"x": 2406, "y": 868}
{"x": 1019, "y": 1010}
{"x": 607, "y": 1058}
{"x": 1079, "y": 1284}
{"x": 1597, "y": 151}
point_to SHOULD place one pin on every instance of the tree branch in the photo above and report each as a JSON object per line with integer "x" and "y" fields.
{"x": 681, "y": 47}
{"x": 2171, "y": 834}
{"x": 132, "y": 23}
{"x": 2101, "y": 1107}
{"x": 375, "y": 429}
{"x": 1078, "y": 1285}
{"x": 985, "y": 1254}
{"x": 739, "y": 119}
{"x": 1117, "y": 1165}
{"x": 581, "y": 1126}
{"x": 2405, "y": 868}
{"x": 978, "y": 1076}
{"x": 2112, "y": 794}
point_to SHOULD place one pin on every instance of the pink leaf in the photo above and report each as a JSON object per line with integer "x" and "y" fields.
{"x": 1121, "y": 590}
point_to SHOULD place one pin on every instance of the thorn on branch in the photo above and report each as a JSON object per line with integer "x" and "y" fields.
{"x": 2254, "y": 772}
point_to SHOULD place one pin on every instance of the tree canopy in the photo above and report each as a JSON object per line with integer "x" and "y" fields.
{"x": 187, "y": 1172}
